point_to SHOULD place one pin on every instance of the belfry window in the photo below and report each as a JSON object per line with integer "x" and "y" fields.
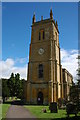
{"x": 40, "y": 71}
{"x": 43, "y": 35}
{"x": 39, "y": 35}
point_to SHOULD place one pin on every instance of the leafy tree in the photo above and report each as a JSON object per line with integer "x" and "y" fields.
{"x": 21, "y": 89}
{"x": 5, "y": 89}
{"x": 75, "y": 89}
{"x": 11, "y": 85}
{"x": 73, "y": 95}
{"x": 17, "y": 84}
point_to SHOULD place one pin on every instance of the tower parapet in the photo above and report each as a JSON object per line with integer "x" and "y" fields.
{"x": 34, "y": 19}
{"x": 51, "y": 14}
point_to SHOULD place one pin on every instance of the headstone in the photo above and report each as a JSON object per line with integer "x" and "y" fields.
{"x": 53, "y": 107}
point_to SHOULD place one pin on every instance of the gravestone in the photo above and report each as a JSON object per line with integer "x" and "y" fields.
{"x": 53, "y": 107}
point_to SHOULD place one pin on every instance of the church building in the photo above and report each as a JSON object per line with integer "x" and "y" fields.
{"x": 46, "y": 79}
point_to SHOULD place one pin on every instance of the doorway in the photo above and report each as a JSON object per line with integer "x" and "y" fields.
{"x": 40, "y": 98}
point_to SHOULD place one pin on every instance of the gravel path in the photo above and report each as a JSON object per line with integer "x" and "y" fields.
{"x": 18, "y": 111}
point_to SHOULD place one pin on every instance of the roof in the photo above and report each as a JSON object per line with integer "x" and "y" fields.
{"x": 63, "y": 69}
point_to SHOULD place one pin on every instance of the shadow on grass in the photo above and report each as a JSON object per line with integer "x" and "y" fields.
{"x": 8, "y": 102}
{"x": 15, "y": 102}
{"x": 71, "y": 118}
{"x": 20, "y": 102}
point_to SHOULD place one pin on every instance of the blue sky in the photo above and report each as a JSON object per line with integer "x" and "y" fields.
{"x": 16, "y": 27}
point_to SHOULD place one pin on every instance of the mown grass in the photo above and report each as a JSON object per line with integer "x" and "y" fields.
{"x": 0, "y": 111}
{"x": 5, "y": 108}
{"x": 37, "y": 112}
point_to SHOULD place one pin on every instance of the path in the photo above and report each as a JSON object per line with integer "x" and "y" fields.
{"x": 18, "y": 111}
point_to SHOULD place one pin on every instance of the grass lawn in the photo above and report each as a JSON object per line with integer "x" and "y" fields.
{"x": 0, "y": 111}
{"x": 37, "y": 111}
{"x": 4, "y": 109}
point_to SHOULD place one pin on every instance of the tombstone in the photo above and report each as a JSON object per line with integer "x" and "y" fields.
{"x": 71, "y": 108}
{"x": 53, "y": 107}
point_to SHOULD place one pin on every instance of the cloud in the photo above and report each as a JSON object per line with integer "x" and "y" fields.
{"x": 21, "y": 60}
{"x": 69, "y": 61}
{"x": 9, "y": 65}
{"x": 5, "y": 65}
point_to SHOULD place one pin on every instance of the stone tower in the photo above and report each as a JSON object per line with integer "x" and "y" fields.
{"x": 44, "y": 68}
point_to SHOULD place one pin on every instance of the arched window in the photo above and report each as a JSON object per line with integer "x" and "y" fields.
{"x": 39, "y": 35}
{"x": 40, "y": 71}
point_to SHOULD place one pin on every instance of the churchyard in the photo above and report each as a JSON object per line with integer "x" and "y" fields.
{"x": 37, "y": 111}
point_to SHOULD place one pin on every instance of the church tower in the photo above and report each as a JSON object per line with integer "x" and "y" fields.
{"x": 44, "y": 68}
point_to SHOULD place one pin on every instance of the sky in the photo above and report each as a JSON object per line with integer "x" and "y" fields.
{"x": 39, "y": 0}
{"x": 16, "y": 34}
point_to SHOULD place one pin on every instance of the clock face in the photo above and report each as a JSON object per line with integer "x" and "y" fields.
{"x": 41, "y": 51}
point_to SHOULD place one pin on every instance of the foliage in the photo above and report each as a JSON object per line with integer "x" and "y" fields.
{"x": 13, "y": 86}
{"x": 5, "y": 89}
{"x": 74, "y": 93}
{"x": 20, "y": 92}
{"x": 75, "y": 89}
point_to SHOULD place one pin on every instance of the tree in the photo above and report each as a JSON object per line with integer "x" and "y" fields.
{"x": 11, "y": 85}
{"x": 21, "y": 89}
{"x": 78, "y": 72}
{"x": 5, "y": 89}
{"x": 17, "y": 84}
{"x": 73, "y": 95}
{"x": 75, "y": 89}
